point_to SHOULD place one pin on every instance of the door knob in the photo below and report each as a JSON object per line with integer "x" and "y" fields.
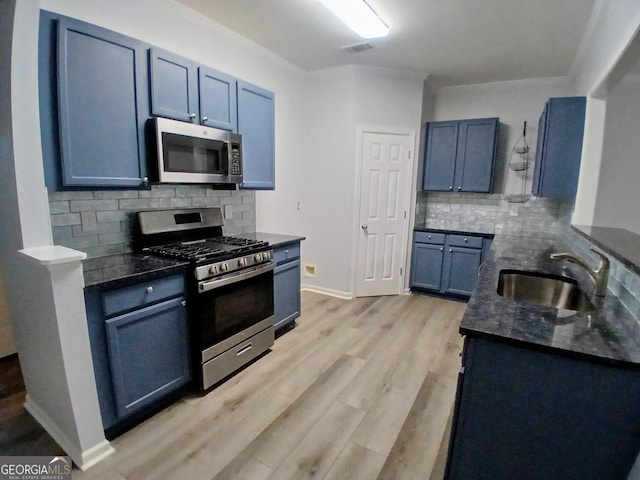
{"x": 365, "y": 226}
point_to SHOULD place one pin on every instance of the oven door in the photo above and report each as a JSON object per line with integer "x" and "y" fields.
{"x": 227, "y": 306}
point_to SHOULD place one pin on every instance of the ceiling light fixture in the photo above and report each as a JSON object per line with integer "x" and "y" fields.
{"x": 359, "y": 17}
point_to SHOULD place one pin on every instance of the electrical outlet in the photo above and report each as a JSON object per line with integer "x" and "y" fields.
{"x": 228, "y": 212}
{"x": 299, "y": 206}
{"x": 513, "y": 210}
{"x": 309, "y": 271}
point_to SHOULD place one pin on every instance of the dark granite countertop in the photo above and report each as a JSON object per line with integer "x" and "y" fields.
{"x": 422, "y": 228}
{"x": 617, "y": 242}
{"x": 274, "y": 239}
{"x": 110, "y": 270}
{"x": 609, "y": 334}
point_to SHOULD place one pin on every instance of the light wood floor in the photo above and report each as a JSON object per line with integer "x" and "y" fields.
{"x": 360, "y": 389}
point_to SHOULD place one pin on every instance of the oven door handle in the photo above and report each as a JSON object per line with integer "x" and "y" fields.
{"x": 221, "y": 282}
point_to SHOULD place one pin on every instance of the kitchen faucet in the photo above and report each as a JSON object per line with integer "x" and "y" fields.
{"x": 599, "y": 277}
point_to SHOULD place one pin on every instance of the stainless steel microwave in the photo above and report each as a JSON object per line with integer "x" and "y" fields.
{"x": 189, "y": 153}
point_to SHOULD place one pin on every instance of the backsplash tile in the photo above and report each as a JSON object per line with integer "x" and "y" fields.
{"x": 492, "y": 213}
{"x": 623, "y": 283}
{"x": 99, "y": 222}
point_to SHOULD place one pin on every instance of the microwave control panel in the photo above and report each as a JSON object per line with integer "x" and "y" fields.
{"x": 236, "y": 165}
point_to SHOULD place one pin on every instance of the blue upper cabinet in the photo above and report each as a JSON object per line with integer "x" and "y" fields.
{"x": 218, "y": 99}
{"x": 476, "y": 155}
{"x": 559, "y": 147}
{"x": 184, "y": 90}
{"x": 174, "y": 86}
{"x": 102, "y": 98}
{"x": 460, "y": 155}
{"x": 440, "y": 156}
{"x": 256, "y": 124}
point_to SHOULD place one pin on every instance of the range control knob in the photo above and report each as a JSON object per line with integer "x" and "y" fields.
{"x": 224, "y": 267}
{"x": 242, "y": 262}
{"x": 257, "y": 257}
{"x": 213, "y": 270}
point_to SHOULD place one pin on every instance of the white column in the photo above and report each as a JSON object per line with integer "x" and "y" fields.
{"x": 61, "y": 387}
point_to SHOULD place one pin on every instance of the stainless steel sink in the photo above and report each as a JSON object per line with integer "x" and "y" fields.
{"x": 543, "y": 289}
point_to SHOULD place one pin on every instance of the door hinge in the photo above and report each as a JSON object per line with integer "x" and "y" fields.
{"x": 400, "y": 271}
{"x": 405, "y": 214}
{"x": 409, "y": 154}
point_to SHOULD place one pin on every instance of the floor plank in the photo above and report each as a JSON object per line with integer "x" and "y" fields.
{"x": 359, "y": 389}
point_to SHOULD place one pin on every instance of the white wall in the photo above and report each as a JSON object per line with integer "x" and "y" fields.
{"x": 341, "y": 101}
{"x": 618, "y": 194}
{"x": 613, "y": 26}
{"x": 514, "y": 102}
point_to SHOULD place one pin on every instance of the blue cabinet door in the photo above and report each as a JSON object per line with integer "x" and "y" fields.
{"x": 148, "y": 354}
{"x": 256, "y": 124}
{"x": 535, "y": 405}
{"x": 475, "y": 155}
{"x": 460, "y": 272}
{"x": 286, "y": 293}
{"x": 559, "y": 148}
{"x": 218, "y": 99}
{"x": 102, "y": 97}
{"x": 426, "y": 266}
{"x": 174, "y": 86}
{"x": 440, "y": 156}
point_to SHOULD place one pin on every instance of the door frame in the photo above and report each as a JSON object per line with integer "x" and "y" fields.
{"x": 409, "y": 205}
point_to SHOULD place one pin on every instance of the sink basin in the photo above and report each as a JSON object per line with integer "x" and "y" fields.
{"x": 543, "y": 289}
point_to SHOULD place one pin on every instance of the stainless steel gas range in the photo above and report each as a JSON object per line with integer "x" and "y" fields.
{"x": 230, "y": 287}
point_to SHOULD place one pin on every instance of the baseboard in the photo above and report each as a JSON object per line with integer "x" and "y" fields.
{"x": 328, "y": 291}
{"x": 82, "y": 458}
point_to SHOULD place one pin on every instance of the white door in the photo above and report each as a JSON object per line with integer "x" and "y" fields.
{"x": 384, "y": 203}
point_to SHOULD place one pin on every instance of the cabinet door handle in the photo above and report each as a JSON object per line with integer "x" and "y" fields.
{"x": 149, "y": 289}
{"x": 429, "y": 237}
{"x": 442, "y": 249}
{"x": 183, "y": 303}
{"x": 205, "y": 118}
{"x": 193, "y": 115}
{"x": 459, "y": 189}
{"x": 466, "y": 240}
{"x": 450, "y": 251}
{"x": 451, "y": 187}
{"x": 364, "y": 227}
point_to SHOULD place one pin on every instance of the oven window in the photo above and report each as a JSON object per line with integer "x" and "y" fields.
{"x": 192, "y": 155}
{"x": 225, "y": 311}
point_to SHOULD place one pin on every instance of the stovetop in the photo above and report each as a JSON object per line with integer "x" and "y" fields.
{"x": 210, "y": 249}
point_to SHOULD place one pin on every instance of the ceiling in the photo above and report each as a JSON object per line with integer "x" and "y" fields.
{"x": 456, "y": 42}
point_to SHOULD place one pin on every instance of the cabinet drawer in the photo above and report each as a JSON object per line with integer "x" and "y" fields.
{"x": 284, "y": 254}
{"x": 141, "y": 294}
{"x": 464, "y": 241}
{"x": 428, "y": 237}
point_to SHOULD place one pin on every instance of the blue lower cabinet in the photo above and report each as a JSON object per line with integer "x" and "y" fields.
{"x": 530, "y": 414}
{"x": 149, "y": 354}
{"x": 139, "y": 346}
{"x": 286, "y": 284}
{"x": 286, "y": 287}
{"x": 426, "y": 266}
{"x": 461, "y": 270}
{"x": 446, "y": 263}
